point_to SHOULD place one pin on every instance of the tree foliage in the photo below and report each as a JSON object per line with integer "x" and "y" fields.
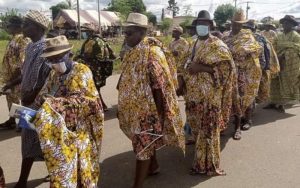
{"x": 71, "y": 3}
{"x": 127, "y": 6}
{"x": 173, "y": 6}
{"x": 187, "y": 10}
{"x": 188, "y": 21}
{"x": 151, "y": 17}
{"x": 223, "y": 13}
{"x": 9, "y": 13}
{"x": 166, "y": 24}
{"x": 56, "y": 8}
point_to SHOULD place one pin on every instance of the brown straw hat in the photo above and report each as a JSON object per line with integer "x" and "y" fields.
{"x": 239, "y": 17}
{"x": 56, "y": 46}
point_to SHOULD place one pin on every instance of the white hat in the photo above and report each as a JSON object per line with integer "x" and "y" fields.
{"x": 56, "y": 45}
{"x": 137, "y": 19}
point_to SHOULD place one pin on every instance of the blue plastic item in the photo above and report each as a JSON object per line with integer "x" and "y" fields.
{"x": 25, "y": 118}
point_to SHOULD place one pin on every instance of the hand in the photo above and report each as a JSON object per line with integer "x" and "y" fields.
{"x": 194, "y": 68}
{"x": 6, "y": 87}
{"x": 46, "y": 96}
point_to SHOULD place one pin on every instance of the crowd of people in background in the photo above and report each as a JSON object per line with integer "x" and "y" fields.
{"x": 220, "y": 75}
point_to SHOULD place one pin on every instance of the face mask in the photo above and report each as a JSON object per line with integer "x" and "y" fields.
{"x": 60, "y": 67}
{"x": 202, "y": 30}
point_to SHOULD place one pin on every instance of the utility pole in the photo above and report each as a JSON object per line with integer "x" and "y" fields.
{"x": 235, "y": 3}
{"x": 247, "y": 9}
{"x": 99, "y": 18}
{"x": 78, "y": 26}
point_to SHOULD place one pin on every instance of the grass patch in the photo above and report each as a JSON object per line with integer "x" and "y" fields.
{"x": 115, "y": 43}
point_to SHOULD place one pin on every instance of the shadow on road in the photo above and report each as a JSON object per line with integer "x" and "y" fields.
{"x": 262, "y": 116}
{"x": 111, "y": 113}
{"x": 30, "y": 184}
{"x": 7, "y": 134}
{"x": 118, "y": 171}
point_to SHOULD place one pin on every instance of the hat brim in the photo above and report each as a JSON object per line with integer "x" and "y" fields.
{"x": 289, "y": 20}
{"x": 240, "y": 22}
{"x": 135, "y": 25}
{"x": 270, "y": 25}
{"x": 54, "y": 53}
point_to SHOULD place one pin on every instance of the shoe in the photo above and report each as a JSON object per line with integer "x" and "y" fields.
{"x": 9, "y": 124}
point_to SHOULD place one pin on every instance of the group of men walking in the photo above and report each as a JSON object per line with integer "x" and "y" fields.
{"x": 218, "y": 76}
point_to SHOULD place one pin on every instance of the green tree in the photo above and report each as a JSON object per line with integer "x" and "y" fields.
{"x": 188, "y": 21}
{"x": 71, "y": 3}
{"x": 166, "y": 24}
{"x": 10, "y": 12}
{"x": 127, "y": 6}
{"x": 223, "y": 13}
{"x": 56, "y": 8}
{"x": 173, "y": 6}
{"x": 187, "y": 10}
{"x": 151, "y": 17}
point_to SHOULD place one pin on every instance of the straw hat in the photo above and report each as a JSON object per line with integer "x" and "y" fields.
{"x": 179, "y": 29}
{"x": 137, "y": 19}
{"x": 289, "y": 18}
{"x": 239, "y": 17}
{"x": 38, "y": 18}
{"x": 56, "y": 46}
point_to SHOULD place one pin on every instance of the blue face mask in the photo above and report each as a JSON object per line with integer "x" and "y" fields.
{"x": 202, "y": 30}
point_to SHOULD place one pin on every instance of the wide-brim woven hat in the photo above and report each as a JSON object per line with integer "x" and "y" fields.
{"x": 56, "y": 46}
{"x": 179, "y": 29}
{"x": 137, "y": 19}
{"x": 38, "y": 18}
{"x": 239, "y": 17}
{"x": 290, "y": 19}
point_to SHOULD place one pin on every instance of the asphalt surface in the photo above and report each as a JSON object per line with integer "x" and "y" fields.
{"x": 268, "y": 156}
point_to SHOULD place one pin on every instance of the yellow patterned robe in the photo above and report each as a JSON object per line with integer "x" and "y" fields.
{"x": 207, "y": 96}
{"x": 70, "y": 128}
{"x": 245, "y": 51}
{"x": 144, "y": 69}
{"x": 270, "y": 35}
{"x": 181, "y": 46}
{"x": 286, "y": 87}
{"x": 11, "y": 65}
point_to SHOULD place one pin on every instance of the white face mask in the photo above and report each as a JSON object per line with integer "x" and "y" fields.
{"x": 60, "y": 67}
{"x": 202, "y": 30}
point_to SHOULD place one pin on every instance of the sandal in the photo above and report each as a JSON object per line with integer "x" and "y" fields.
{"x": 280, "y": 109}
{"x": 246, "y": 126}
{"x": 237, "y": 135}
{"x": 218, "y": 172}
{"x": 47, "y": 178}
{"x": 155, "y": 172}
{"x": 194, "y": 172}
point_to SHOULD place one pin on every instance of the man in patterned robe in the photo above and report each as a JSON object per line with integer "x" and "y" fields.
{"x": 12, "y": 63}
{"x": 245, "y": 51}
{"x": 148, "y": 110}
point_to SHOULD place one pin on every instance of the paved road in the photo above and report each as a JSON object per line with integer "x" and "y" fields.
{"x": 266, "y": 157}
